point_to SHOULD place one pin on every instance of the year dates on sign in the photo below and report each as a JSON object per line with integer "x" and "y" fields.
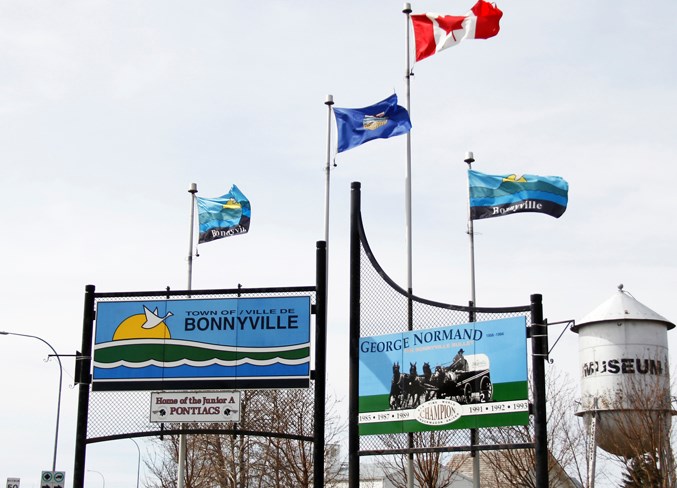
{"x": 519, "y": 406}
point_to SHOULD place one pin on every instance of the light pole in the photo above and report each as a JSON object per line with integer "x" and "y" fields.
{"x": 103, "y": 480}
{"x": 138, "y": 463}
{"x": 58, "y": 403}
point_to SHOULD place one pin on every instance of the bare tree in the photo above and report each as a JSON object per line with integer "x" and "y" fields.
{"x": 431, "y": 469}
{"x": 163, "y": 466}
{"x": 566, "y": 442}
{"x": 635, "y": 427}
{"x": 240, "y": 461}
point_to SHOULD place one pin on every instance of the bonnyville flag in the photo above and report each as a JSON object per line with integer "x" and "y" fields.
{"x": 435, "y": 32}
{"x": 224, "y": 216}
{"x": 498, "y": 195}
{"x": 382, "y": 120}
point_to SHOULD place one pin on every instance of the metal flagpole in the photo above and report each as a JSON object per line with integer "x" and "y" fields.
{"x": 407, "y": 202}
{"x": 329, "y": 101}
{"x": 469, "y": 159}
{"x": 407, "y": 177}
{"x": 183, "y": 440}
{"x": 192, "y": 190}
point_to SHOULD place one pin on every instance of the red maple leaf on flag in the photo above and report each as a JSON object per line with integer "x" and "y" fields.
{"x": 434, "y": 32}
{"x": 450, "y": 23}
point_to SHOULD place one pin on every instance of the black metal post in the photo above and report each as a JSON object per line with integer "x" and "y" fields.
{"x": 83, "y": 374}
{"x": 539, "y": 333}
{"x": 354, "y": 339}
{"x": 410, "y": 435}
{"x": 320, "y": 363}
{"x": 474, "y": 433}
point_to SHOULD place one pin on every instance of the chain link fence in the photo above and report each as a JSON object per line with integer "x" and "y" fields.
{"x": 121, "y": 414}
{"x": 384, "y": 309}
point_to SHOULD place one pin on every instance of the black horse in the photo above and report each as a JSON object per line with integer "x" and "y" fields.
{"x": 412, "y": 388}
{"x": 428, "y": 384}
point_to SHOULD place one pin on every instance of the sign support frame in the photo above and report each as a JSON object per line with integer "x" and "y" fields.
{"x": 357, "y": 243}
{"x": 318, "y": 377}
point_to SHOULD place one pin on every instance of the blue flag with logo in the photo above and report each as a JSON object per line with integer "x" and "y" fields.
{"x": 382, "y": 120}
{"x": 498, "y": 195}
{"x": 224, "y": 216}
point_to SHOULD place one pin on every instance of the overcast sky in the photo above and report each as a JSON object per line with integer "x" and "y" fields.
{"x": 109, "y": 110}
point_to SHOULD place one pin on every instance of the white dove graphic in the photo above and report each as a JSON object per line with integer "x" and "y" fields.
{"x": 153, "y": 319}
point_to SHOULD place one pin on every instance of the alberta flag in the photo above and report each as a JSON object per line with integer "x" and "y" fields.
{"x": 382, "y": 120}
{"x": 498, "y": 195}
{"x": 224, "y": 216}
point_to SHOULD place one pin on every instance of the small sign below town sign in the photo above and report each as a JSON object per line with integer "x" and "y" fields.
{"x": 195, "y": 406}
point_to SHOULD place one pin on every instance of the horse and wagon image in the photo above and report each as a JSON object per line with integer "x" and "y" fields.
{"x": 466, "y": 380}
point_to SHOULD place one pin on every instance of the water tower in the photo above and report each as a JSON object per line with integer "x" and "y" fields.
{"x": 625, "y": 377}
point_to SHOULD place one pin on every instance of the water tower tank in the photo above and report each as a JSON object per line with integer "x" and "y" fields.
{"x": 625, "y": 377}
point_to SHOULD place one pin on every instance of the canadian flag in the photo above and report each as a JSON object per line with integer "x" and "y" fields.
{"x": 434, "y": 32}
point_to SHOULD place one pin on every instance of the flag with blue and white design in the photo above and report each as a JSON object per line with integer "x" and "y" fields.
{"x": 384, "y": 119}
{"x": 223, "y": 216}
{"x": 498, "y": 195}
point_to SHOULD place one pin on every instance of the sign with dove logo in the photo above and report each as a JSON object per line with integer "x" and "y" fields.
{"x": 202, "y": 344}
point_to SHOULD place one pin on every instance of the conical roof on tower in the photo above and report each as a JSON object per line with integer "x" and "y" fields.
{"x": 621, "y": 306}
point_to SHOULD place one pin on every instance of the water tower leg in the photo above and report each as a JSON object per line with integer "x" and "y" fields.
{"x": 667, "y": 459}
{"x": 592, "y": 449}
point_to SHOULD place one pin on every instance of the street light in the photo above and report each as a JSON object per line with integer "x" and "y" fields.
{"x": 102, "y": 478}
{"x": 138, "y": 462}
{"x": 58, "y": 403}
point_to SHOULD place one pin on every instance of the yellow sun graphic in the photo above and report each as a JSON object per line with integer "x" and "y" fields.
{"x": 147, "y": 325}
{"x": 232, "y": 204}
{"x": 515, "y": 179}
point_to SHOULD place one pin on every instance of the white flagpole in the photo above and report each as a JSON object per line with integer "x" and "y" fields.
{"x": 407, "y": 176}
{"x": 329, "y": 101}
{"x": 192, "y": 190}
{"x": 183, "y": 441}
{"x": 469, "y": 159}
{"x": 407, "y": 202}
